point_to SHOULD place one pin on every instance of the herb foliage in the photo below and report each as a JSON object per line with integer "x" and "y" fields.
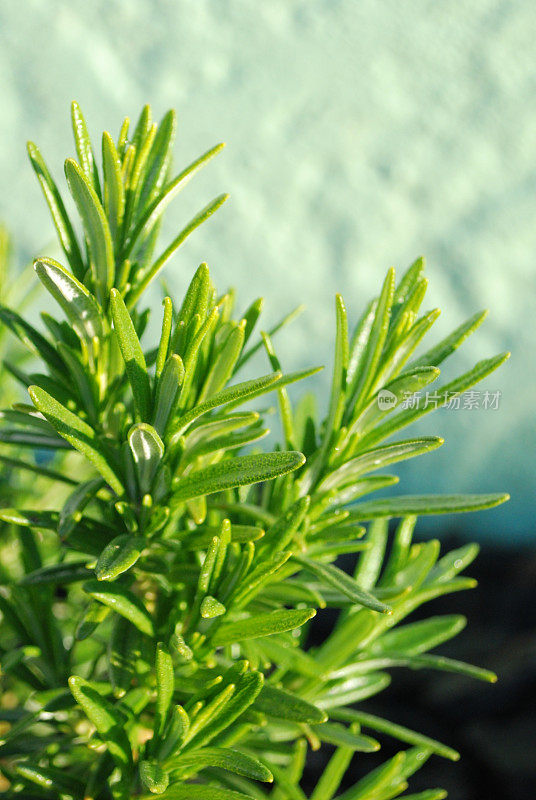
{"x": 155, "y": 615}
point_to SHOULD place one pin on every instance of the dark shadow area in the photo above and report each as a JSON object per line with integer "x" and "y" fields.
{"x": 493, "y": 726}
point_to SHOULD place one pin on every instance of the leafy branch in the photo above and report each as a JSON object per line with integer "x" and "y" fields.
{"x": 155, "y": 618}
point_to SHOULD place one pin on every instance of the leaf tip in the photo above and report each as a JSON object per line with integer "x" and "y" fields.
{"x": 33, "y": 391}
{"x": 74, "y": 682}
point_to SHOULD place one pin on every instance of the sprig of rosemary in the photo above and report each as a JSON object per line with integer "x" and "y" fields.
{"x": 154, "y": 623}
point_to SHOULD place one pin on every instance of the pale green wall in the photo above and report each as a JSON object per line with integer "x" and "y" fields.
{"x": 360, "y": 134}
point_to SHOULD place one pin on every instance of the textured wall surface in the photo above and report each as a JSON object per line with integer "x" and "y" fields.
{"x": 360, "y": 134}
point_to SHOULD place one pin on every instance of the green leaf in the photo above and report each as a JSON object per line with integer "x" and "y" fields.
{"x": 338, "y": 735}
{"x": 448, "y": 390}
{"x": 176, "y": 732}
{"x": 123, "y": 602}
{"x": 261, "y": 625}
{"x": 451, "y": 343}
{"x": 257, "y": 578}
{"x": 238, "y": 392}
{"x": 58, "y": 574}
{"x": 165, "y": 685}
{"x": 251, "y": 315}
{"x": 83, "y": 382}
{"x": 143, "y": 127}
{"x": 285, "y": 406}
{"x": 239, "y": 471}
{"x": 399, "y": 549}
{"x": 83, "y": 146}
{"x": 218, "y": 427}
{"x": 397, "y": 731}
{"x": 30, "y": 519}
{"x": 55, "y": 203}
{"x": 158, "y": 160}
{"x": 402, "y": 349}
{"x": 290, "y": 656}
{"x": 37, "y": 469}
{"x": 408, "y": 280}
{"x": 402, "y": 387}
{"x": 280, "y": 535}
{"x": 118, "y": 556}
{"x": 380, "y": 779}
{"x": 211, "y": 608}
{"x": 454, "y": 562}
{"x": 285, "y": 784}
{"x": 418, "y": 637}
{"x": 201, "y": 538}
{"x": 365, "y": 375}
{"x": 165, "y": 337}
{"x": 235, "y": 395}
{"x": 340, "y": 367}
{"x": 379, "y": 458}
{"x": 95, "y": 226}
{"x": 223, "y": 758}
{"x": 124, "y": 654}
{"x": 204, "y": 792}
{"x": 105, "y": 718}
{"x": 426, "y": 504}
{"x": 414, "y": 760}
{"x": 284, "y": 380}
{"x": 147, "y": 450}
{"x": 335, "y": 577}
{"x": 132, "y": 355}
{"x": 92, "y": 617}
{"x": 196, "y": 300}
{"x": 77, "y": 433}
{"x": 196, "y": 335}
{"x": 451, "y": 665}
{"x": 331, "y": 777}
{"x": 422, "y": 558}
{"x": 114, "y": 191}
{"x": 370, "y": 563}
{"x": 153, "y": 777}
{"x": 248, "y": 687}
{"x": 358, "y": 343}
{"x": 49, "y": 778}
{"x": 167, "y": 392}
{"x": 224, "y": 363}
{"x": 286, "y": 705}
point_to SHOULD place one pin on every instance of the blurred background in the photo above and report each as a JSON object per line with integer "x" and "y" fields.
{"x": 360, "y": 135}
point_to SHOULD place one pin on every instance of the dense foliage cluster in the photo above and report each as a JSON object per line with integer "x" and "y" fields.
{"x": 159, "y": 571}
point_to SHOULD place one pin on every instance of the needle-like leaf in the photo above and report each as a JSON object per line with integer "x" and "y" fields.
{"x": 105, "y": 719}
{"x": 79, "y": 305}
{"x": 426, "y": 504}
{"x": 147, "y": 450}
{"x": 77, "y": 433}
{"x": 262, "y": 625}
{"x": 55, "y": 203}
{"x": 123, "y": 602}
{"x": 118, "y": 556}
{"x": 239, "y": 471}
{"x": 95, "y": 226}
{"x": 132, "y": 355}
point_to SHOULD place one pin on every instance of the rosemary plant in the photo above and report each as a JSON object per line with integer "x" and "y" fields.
{"x": 155, "y": 616}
